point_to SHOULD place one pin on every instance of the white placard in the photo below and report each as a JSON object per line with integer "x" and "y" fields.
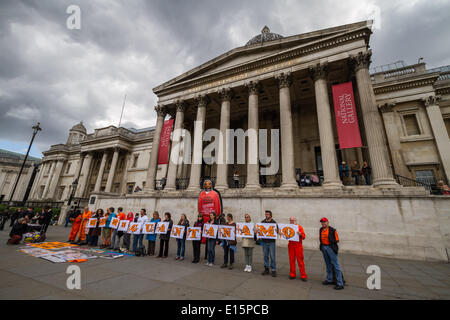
{"x": 134, "y": 228}
{"x": 149, "y": 228}
{"x": 194, "y": 233}
{"x": 227, "y": 233}
{"x": 114, "y": 223}
{"x": 266, "y": 230}
{"x": 245, "y": 230}
{"x": 288, "y": 232}
{"x": 177, "y": 232}
{"x": 123, "y": 225}
{"x": 162, "y": 228}
{"x": 92, "y": 223}
{"x": 210, "y": 230}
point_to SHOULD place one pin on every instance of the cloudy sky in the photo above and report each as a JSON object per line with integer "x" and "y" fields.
{"x": 59, "y": 77}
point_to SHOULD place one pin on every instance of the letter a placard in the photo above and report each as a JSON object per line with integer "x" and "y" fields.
{"x": 245, "y": 230}
{"x": 162, "y": 227}
{"x": 210, "y": 230}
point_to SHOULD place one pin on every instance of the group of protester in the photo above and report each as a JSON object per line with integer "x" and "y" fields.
{"x": 25, "y": 221}
{"x": 356, "y": 172}
{"x": 111, "y": 239}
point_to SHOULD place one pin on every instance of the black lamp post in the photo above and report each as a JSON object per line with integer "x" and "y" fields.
{"x": 74, "y": 188}
{"x": 36, "y": 129}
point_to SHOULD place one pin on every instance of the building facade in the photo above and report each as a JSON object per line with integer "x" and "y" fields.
{"x": 284, "y": 83}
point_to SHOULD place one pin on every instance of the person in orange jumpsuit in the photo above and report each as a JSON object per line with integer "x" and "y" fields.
{"x": 84, "y": 220}
{"x": 296, "y": 252}
{"x": 76, "y": 222}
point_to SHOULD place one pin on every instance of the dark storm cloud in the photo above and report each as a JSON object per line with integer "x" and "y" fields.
{"x": 58, "y": 76}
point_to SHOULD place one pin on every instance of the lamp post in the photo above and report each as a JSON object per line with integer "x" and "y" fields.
{"x": 74, "y": 188}
{"x": 36, "y": 129}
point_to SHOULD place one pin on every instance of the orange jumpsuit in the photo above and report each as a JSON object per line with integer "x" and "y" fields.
{"x": 75, "y": 228}
{"x": 84, "y": 220}
{"x": 296, "y": 252}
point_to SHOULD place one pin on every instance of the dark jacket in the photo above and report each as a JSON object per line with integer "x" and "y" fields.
{"x": 268, "y": 240}
{"x": 18, "y": 229}
{"x": 166, "y": 236}
{"x": 331, "y": 239}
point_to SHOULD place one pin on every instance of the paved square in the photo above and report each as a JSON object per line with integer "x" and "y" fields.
{"x": 27, "y": 277}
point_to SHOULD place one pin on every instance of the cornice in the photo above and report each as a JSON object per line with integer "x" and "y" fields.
{"x": 406, "y": 84}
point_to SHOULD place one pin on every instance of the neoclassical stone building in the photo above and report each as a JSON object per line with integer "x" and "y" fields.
{"x": 284, "y": 83}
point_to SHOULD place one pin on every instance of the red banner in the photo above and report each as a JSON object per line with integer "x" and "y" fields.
{"x": 346, "y": 119}
{"x": 164, "y": 142}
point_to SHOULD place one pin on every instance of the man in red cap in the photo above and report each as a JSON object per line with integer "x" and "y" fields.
{"x": 329, "y": 246}
{"x": 296, "y": 252}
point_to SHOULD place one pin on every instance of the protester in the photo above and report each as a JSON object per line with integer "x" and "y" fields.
{"x": 68, "y": 214}
{"x": 15, "y": 216}
{"x": 343, "y": 172}
{"x": 269, "y": 252}
{"x": 211, "y": 242}
{"x": 248, "y": 244}
{"x": 45, "y": 218}
{"x": 93, "y": 234}
{"x": 329, "y": 246}
{"x": 236, "y": 179}
{"x": 296, "y": 252}
{"x": 106, "y": 230}
{"x": 138, "y": 238}
{"x": 356, "y": 172}
{"x": 196, "y": 244}
{"x": 151, "y": 238}
{"x": 181, "y": 243}
{"x": 445, "y": 190}
{"x": 28, "y": 214}
{"x": 116, "y": 235}
{"x": 85, "y": 216}
{"x": 165, "y": 237}
{"x": 366, "y": 170}
{"x": 17, "y": 231}
{"x": 229, "y": 246}
{"x": 76, "y": 223}
{"x": 126, "y": 236}
{"x": 4, "y": 218}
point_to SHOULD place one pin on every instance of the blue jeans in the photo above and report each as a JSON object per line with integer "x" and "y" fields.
{"x": 211, "y": 250}
{"x": 269, "y": 250}
{"x": 331, "y": 261}
{"x": 137, "y": 241}
{"x": 180, "y": 247}
{"x": 367, "y": 178}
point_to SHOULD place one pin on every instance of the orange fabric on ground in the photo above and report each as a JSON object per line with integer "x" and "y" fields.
{"x": 296, "y": 253}
{"x": 84, "y": 220}
{"x": 75, "y": 228}
{"x": 324, "y": 236}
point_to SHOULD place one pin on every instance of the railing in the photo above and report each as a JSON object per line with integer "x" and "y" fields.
{"x": 33, "y": 204}
{"x": 182, "y": 184}
{"x": 428, "y": 183}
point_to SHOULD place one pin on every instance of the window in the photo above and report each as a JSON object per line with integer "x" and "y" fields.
{"x": 69, "y": 164}
{"x": 135, "y": 161}
{"x": 426, "y": 176}
{"x": 411, "y": 124}
{"x": 130, "y": 188}
{"x": 447, "y": 125}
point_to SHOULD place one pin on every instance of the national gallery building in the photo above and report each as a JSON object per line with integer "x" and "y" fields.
{"x": 400, "y": 126}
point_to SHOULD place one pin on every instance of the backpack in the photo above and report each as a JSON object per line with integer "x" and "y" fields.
{"x": 140, "y": 251}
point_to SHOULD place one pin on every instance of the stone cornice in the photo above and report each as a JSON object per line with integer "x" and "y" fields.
{"x": 404, "y": 85}
{"x": 443, "y": 91}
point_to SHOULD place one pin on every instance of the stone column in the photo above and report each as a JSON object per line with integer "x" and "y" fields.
{"x": 83, "y": 180}
{"x": 253, "y": 141}
{"x": 379, "y": 159}
{"x": 153, "y": 163}
{"x": 55, "y": 179}
{"x": 222, "y": 166}
{"x": 327, "y": 146}
{"x": 37, "y": 182}
{"x": 392, "y": 134}
{"x": 98, "y": 183}
{"x": 440, "y": 132}
{"x": 176, "y": 145}
{"x": 112, "y": 170}
{"x": 287, "y": 139}
{"x": 49, "y": 179}
{"x": 197, "y": 152}
{"x": 79, "y": 165}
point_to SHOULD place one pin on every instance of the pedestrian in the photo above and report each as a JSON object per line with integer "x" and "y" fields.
{"x": 106, "y": 230}
{"x": 366, "y": 171}
{"x": 126, "y": 235}
{"x": 45, "y": 218}
{"x": 14, "y": 216}
{"x": 269, "y": 252}
{"x": 296, "y": 252}
{"x": 356, "y": 172}
{"x": 211, "y": 242}
{"x": 329, "y": 246}
{"x": 17, "y": 231}
{"x": 196, "y": 244}
{"x": 138, "y": 238}
{"x": 76, "y": 223}
{"x": 116, "y": 234}
{"x": 93, "y": 233}
{"x": 236, "y": 179}
{"x": 229, "y": 246}
{"x": 248, "y": 244}
{"x": 151, "y": 238}
{"x": 343, "y": 172}
{"x": 68, "y": 214}
{"x": 444, "y": 189}
{"x": 165, "y": 237}
{"x": 85, "y": 216}
{"x": 4, "y": 218}
{"x": 181, "y": 243}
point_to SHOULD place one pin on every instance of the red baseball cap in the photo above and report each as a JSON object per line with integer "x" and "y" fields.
{"x": 324, "y": 219}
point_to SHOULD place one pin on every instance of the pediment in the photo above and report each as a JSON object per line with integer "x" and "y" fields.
{"x": 242, "y": 56}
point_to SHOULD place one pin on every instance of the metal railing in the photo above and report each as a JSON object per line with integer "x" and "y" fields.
{"x": 428, "y": 183}
{"x": 33, "y": 204}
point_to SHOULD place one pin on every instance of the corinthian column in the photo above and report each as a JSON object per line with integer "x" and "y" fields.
{"x": 327, "y": 146}
{"x": 85, "y": 175}
{"x": 98, "y": 183}
{"x": 381, "y": 170}
{"x": 439, "y": 131}
{"x": 197, "y": 154}
{"x": 112, "y": 170}
{"x": 176, "y": 144}
{"x": 222, "y": 165}
{"x": 287, "y": 139}
{"x": 252, "y": 145}
{"x": 153, "y": 163}
{"x": 55, "y": 178}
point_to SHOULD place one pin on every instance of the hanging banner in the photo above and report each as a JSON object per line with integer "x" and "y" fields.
{"x": 346, "y": 118}
{"x": 164, "y": 142}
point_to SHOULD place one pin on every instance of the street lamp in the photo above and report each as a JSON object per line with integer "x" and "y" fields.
{"x": 36, "y": 129}
{"x": 74, "y": 188}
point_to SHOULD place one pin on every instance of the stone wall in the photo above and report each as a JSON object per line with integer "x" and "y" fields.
{"x": 393, "y": 226}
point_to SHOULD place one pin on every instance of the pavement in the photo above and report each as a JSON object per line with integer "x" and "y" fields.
{"x": 26, "y": 277}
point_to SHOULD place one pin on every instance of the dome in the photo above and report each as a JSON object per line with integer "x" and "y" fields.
{"x": 265, "y": 36}
{"x": 79, "y": 127}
